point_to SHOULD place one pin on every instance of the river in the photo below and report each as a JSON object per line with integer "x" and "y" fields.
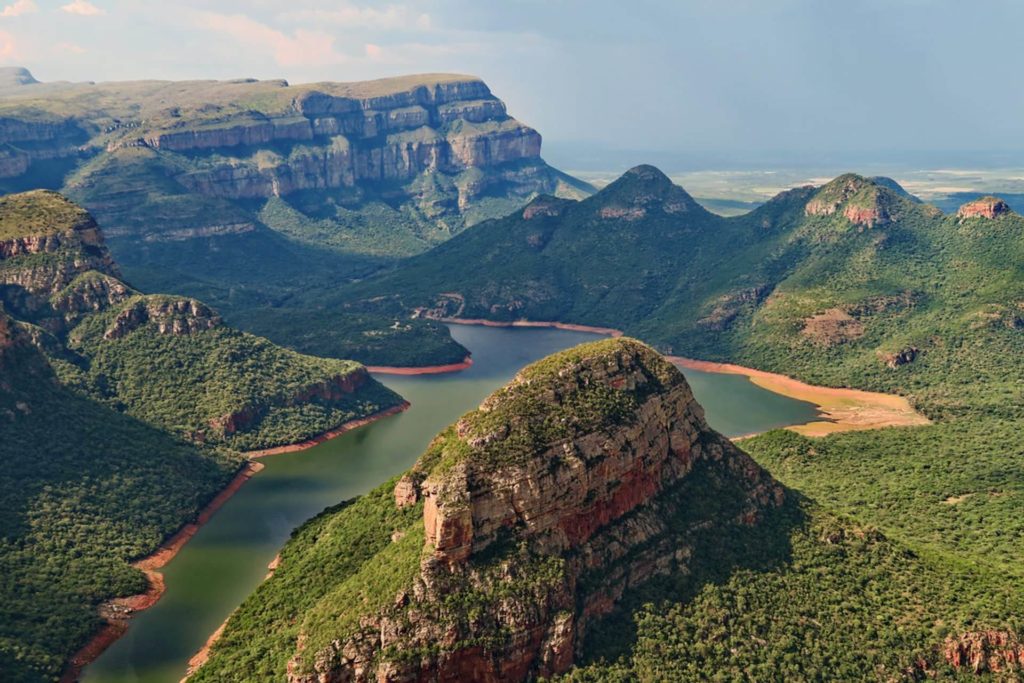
{"x": 228, "y": 557}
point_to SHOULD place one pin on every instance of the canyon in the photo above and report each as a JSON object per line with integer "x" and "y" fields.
{"x": 562, "y": 492}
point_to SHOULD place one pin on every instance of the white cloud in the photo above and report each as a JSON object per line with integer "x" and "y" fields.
{"x": 392, "y": 17}
{"x": 73, "y": 48}
{"x": 18, "y": 8}
{"x": 8, "y": 50}
{"x": 302, "y": 47}
{"x": 82, "y": 8}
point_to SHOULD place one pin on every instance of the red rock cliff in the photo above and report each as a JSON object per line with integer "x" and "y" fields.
{"x": 563, "y": 491}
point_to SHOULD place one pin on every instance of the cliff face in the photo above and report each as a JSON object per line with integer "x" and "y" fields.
{"x": 564, "y": 490}
{"x": 309, "y": 137}
{"x": 167, "y": 360}
{"x": 986, "y": 207}
{"x": 54, "y": 264}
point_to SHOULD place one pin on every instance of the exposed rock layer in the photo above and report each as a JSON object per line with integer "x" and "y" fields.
{"x": 543, "y": 508}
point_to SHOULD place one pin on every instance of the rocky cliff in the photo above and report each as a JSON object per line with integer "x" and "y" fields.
{"x": 165, "y": 359}
{"x": 566, "y": 489}
{"x": 260, "y": 139}
{"x": 283, "y": 190}
{"x": 985, "y": 207}
{"x": 54, "y": 264}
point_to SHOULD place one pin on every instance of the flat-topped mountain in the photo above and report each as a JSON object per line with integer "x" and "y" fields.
{"x": 249, "y": 193}
{"x": 521, "y": 525}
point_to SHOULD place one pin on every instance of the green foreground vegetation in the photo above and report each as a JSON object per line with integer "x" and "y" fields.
{"x": 854, "y": 284}
{"x": 86, "y": 490}
{"x": 121, "y": 416}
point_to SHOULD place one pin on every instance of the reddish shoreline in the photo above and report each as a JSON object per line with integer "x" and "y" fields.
{"x": 329, "y": 434}
{"x": 419, "y": 370}
{"x": 118, "y": 611}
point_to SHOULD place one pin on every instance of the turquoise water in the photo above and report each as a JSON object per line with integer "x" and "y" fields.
{"x": 228, "y": 557}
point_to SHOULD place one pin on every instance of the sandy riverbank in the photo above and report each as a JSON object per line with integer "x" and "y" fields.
{"x": 118, "y": 612}
{"x": 843, "y": 409}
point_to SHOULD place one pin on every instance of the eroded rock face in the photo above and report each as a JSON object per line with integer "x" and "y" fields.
{"x": 57, "y": 275}
{"x": 985, "y": 652}
{"x": 904, "y": 356}
{"x": 831, "y": 327}
{"x": 541, "y": 509}
{"x": 174, "y": 316}
{"x": 986, "y": 207}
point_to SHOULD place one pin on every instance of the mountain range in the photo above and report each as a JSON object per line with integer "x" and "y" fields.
{"x": 584, "y": 523}
{"x": 250, "y": 194}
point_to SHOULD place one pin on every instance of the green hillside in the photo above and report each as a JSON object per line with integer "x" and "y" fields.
{"x": 85, "y": 490}
{"x": 121, "y": 416}
{"x": 852, "y": 284}
{"x": 260, "y": 197}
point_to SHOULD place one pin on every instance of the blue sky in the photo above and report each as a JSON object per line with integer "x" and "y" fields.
{"x": 735, "y": 77}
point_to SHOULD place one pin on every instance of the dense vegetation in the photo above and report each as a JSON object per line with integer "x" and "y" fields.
{"x": 855, "y": 284}
{"x": 186, "y": 383}
{"x": 117, "y": 410}
{"x": 85, "y": 491}
{"x": 205, "y": 221}
{"x": 324, "y": 554}
{"x": 806, "y": 596}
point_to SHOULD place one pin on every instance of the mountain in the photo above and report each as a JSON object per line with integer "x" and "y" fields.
{"x": 254, "y": 193}
{"x": 86, "y": 490}
{"x": 164, "y": 359}
{"x": 520, "y": 526}
{"x": 121, "y": 415}
{"x": 585, "y": 515}
{"x": 850, "y": 284}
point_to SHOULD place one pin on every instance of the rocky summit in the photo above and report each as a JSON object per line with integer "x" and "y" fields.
{"x": 529, "y": 519}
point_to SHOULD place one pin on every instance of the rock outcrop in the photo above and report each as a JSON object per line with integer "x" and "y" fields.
{"x": 54, "y": 264}
{"x": 168, "y": 315}
{"x": 985, "y": 207}
{"x": 567, "y": 488}
{"x": 985, "y": 652}
{"x": 336, "y": 388}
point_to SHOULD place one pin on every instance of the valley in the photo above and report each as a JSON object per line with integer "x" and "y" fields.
{"x": 227, "y": 559}
{"x": 341, "y": 381}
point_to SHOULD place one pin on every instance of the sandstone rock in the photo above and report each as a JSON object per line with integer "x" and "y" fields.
{"x": 543, "y": 508}
{"x": 986, "y": 207}
{"x": 168, "y": 315}
{"x": 984, "y": 652}
{"x": 901, "y": 357}
{"x": 831, "y": 327}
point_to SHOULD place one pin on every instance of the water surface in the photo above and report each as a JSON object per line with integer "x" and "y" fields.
{"x": 228, "y": 557}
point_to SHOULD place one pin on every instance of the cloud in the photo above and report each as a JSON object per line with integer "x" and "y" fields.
{"x": 73, "y": 48}
{"x": 373, "y": 51}
{"x": 301, "y": 48}
{"x": 18, "y": 8}
{"x": 83, "y": 8}
{"x": 392, "y": 17}
{"x": 7, "y": 47}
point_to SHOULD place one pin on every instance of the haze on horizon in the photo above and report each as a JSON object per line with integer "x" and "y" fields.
{"x": 740, "y": 79}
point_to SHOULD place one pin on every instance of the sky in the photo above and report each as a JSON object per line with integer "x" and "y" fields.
{"x": 737, "y": 79}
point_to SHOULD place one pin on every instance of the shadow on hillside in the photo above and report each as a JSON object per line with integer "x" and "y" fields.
{"x": 702, "y": 511}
